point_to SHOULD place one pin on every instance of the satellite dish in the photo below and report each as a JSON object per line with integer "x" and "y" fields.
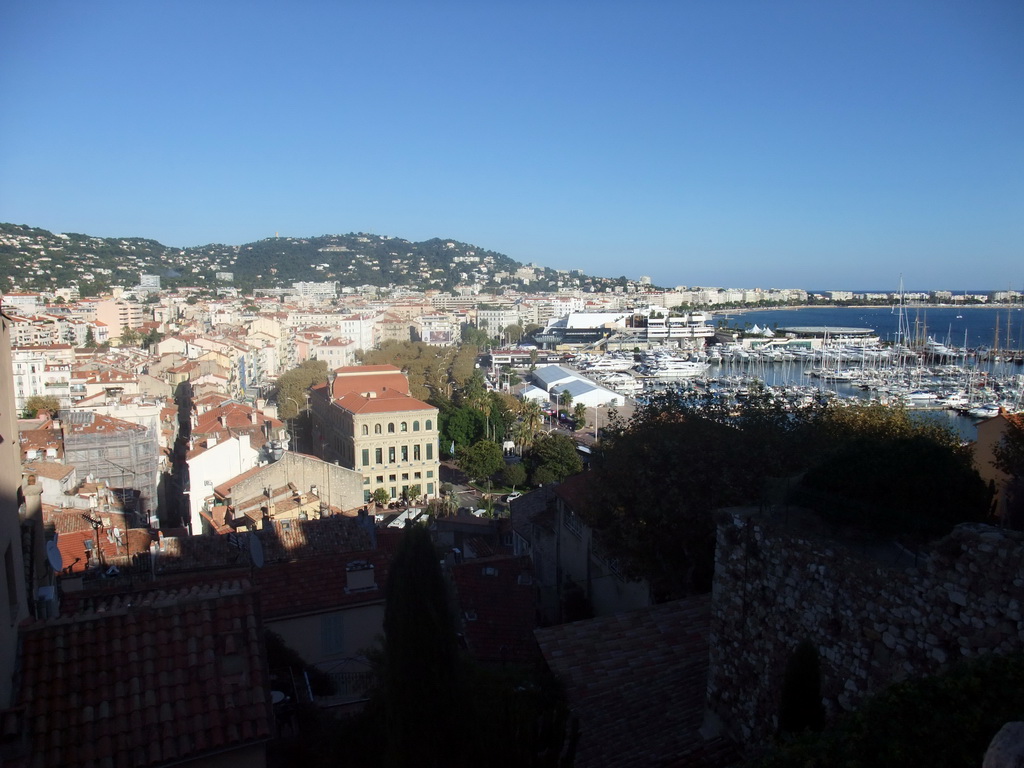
{"x": 256, "y": 550}
{"x": 53, "y": 556}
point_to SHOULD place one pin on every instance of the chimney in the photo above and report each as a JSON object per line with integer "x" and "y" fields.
{"x": 252, "y": 416}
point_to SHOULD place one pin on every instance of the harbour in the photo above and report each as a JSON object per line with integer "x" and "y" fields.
{"x": 892, "y": 359}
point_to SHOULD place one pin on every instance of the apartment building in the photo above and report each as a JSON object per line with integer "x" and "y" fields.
{"x": 118, "y": 316}
{"x": 365, "y": 418}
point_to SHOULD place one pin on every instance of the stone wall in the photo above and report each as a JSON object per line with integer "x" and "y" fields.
{"x": 877, "y": 614}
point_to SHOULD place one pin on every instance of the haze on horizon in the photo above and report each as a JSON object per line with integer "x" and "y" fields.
{"x": 738, "y": 144}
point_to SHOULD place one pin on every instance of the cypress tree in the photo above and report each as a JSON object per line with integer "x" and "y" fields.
{"x": 422, "y": 674}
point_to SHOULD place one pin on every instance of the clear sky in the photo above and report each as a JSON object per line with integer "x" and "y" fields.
{"x": 816, "y": 144}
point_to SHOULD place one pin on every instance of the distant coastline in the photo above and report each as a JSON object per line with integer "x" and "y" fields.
{"x": 914, "y": 306}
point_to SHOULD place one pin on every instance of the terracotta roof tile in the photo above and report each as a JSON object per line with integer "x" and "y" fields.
{"x": 496, "y": 598}
{"x": 313, "y": 585}
{"x": 637, "y": 681}
{"x": 106, "y": 687}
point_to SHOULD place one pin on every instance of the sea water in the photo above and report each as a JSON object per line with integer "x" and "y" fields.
{"x": 971, "y": 327}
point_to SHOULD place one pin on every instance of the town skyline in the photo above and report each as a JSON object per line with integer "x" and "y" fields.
{"x": 33, "y": 258}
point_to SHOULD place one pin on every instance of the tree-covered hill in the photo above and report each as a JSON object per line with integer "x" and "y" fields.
{"x": 33, "y": 259}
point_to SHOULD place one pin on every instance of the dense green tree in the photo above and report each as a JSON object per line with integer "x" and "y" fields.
{"x": 462, "y": 425}
{"x": 502, "y": 411}
{"x": 474, "y": 393}
{"x": 905, "y": 485}
{"x": 380, "y": 497}
{"x": 477, "y": 337}
{"x": 945, "y": 720}
{"x": 424, "y": 364}
{"x": 514, "y": 475}
{"x": 423, "y": 678}
{"x": 481, "y": 460}
{"x": 292, "y": 385}
{"x": 463, "y": 365}
{"x": 1009, "y": 458}
{"x": 694, "y": 453}
{"x": 878, "y": 467}
{"x": 654, "y": 488}
{"x": 152, "y": 337}
{"x": 90, "y": 338}
{"x": 513, "y": 333}
{"x": 130, "y": 337}
{"x": 552, "y": 459}
{"x": 41, "y": 403}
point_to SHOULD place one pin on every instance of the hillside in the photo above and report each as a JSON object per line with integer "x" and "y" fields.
{"x": 34, "y": 259}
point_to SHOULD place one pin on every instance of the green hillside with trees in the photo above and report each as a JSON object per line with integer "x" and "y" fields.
{"x": 39, "y": 260}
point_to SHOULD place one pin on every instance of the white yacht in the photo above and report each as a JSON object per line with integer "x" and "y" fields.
{"x": 675, "y": 368}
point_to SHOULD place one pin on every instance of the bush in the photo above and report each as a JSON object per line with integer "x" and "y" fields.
{"x": 943, "y": 721}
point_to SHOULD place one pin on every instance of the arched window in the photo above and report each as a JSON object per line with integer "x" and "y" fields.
{"x": 415, "y": 426}
{"x": 404, "y": 426}
{"x": 366, "y": 429}
{"x": 376, "y": 429}
{"x": 430, "y": 425}
{"x": 391, "y": 427}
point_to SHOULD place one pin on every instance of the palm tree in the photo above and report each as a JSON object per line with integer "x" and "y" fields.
{"x": 521, "y": 435}
{"x": 533, "y": 417}
{"x": 566, "y": 400}
{"x": 579, "y": 415}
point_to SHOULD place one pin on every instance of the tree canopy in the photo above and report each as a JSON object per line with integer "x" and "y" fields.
{"x": 658, "y": 479}
{"x": 551, "y": 459}
{"x": 422, "y": 671}
{"x": 433, "y": 371}
{"x": 943, "y": 721}
{"x": 292, "y": 386}
{"x": 37, "y": 403}
{"x": 1009, "y": 457}
{"x": 481, "y": 460}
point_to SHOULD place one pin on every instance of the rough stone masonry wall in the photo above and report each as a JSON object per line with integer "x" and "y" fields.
{"x": 873, "y": 623}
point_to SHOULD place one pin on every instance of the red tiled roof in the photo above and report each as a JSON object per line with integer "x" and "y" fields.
{"x": 386, "y": 402}
{"x": 235, "y": 416}
{"x": 317, "y": 584}
{"x": 147, "y": 679}
{"x": 369, "y": 378}
{"x": 100, "y": 423}
{"x": 496, "y": 596}
{"x": 637, "y": 681}
{"x": 74, "y": 553}
{"x": 50, "y": 469}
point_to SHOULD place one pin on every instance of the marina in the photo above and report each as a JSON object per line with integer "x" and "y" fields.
{"x": 837, "y": 357}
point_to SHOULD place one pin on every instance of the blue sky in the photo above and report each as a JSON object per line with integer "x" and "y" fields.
{"x": 773, "y": 144}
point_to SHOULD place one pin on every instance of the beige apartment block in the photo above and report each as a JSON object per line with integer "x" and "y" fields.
{"x": 365, "y": 418}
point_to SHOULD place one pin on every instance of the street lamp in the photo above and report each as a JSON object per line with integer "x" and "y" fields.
{"x": 558, "y": 401}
